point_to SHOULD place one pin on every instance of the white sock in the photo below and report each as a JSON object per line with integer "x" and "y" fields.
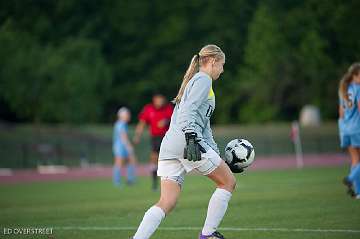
{"x": 216, "y": 210}
{"x": 150, "y": 222}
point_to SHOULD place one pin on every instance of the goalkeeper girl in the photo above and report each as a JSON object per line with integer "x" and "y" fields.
{"x": 349, "y": 125}
{"x": 189, "y": 145}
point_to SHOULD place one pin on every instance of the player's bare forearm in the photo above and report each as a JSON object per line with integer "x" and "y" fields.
{"x": 341, "y": 112}
{"x": 126, "y": 141}
{"x": 138, "y": 131}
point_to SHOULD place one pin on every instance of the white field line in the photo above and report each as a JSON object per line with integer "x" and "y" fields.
{"x": 98, "y": 228}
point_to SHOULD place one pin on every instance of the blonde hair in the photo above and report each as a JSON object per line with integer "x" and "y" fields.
{"x": 200, "y": 59}
{"x": 354, "y": 69}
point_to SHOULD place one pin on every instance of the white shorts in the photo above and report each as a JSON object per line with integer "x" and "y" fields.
{"x": 175, "y": 169}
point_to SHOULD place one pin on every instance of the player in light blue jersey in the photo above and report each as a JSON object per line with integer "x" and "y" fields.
{"x": 189, "y": 145}
{"x": 122, "y": 148}
{"x": 349, "y": 125}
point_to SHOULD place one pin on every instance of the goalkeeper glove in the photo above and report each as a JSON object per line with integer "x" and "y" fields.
{"x": 193, "y": 149}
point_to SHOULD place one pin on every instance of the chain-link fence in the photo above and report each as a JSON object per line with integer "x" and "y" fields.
{"x": 71, "y": 148}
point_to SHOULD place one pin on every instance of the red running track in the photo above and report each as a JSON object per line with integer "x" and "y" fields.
{"x": 260, "y": 163}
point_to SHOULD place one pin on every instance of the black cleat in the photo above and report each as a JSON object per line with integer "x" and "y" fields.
{"x": 349, "y": 186}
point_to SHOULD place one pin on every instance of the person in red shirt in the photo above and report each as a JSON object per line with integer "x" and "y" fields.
{"x": 157, "y": 116}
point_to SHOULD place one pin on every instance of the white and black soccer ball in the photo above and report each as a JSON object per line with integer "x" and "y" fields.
{"x": 240, "y": 153}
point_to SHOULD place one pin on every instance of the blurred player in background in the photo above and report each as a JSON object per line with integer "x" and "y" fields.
{"x": 349, "y": 125}
{"x": 157, "y": 115}
{"x": 122, "y": 148}
{"x": 189, "y": 145}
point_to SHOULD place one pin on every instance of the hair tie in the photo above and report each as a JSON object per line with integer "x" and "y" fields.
{"x": 198, "y": 56}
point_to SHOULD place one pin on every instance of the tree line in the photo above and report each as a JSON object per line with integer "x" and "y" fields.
{"x": 77, "y": 61}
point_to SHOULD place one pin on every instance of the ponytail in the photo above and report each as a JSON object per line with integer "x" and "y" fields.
{"x": 190, "y": 72}
{"x": 345, "y": 81}
{"x": 207, "y": 52}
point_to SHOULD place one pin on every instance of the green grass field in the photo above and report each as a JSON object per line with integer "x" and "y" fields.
{"x": 266, "y": 204}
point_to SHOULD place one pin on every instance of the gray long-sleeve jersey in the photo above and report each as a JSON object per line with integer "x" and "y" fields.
{"x": 192, "y": 114}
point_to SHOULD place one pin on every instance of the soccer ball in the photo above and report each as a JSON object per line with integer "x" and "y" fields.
{"x": 240, "y": 153}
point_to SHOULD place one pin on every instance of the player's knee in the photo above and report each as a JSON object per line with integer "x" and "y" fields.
{"x": 232, "y": 183}
{"x": 166, "y": 204}
{"x": 118, "y": 162}
{"x": 229, "y": 183}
